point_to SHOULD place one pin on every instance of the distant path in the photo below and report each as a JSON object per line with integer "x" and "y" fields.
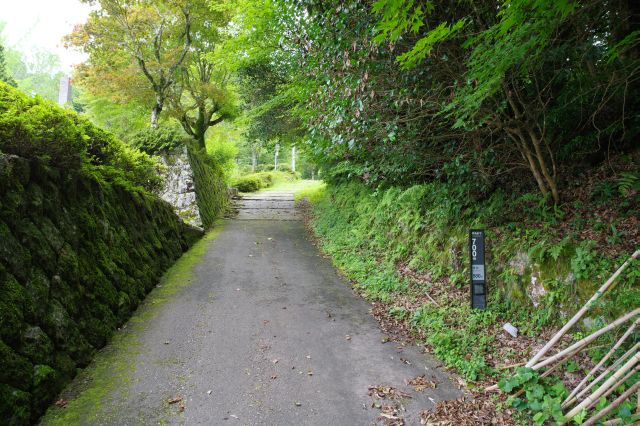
{"x": 267, "y": 334}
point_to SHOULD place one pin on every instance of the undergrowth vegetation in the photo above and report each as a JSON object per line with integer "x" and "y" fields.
{"x": 405, "y": 249}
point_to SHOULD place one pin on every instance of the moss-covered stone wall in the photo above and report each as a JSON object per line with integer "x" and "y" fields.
{"x": 78, "y": 252}
{"x": 211, "y": 190}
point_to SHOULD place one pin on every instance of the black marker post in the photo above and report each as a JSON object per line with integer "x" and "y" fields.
{"x": 478, "y": 276}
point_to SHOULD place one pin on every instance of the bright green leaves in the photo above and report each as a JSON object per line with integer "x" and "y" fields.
{"x": 543, "y": 396}
{"x": 424, "y": 46}
{"x": 399, "y": 17}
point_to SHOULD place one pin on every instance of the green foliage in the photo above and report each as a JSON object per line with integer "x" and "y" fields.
{"x": 395, "y": 92}
{"x": 629, "y": 183}
{"x": 543, "y": 396}
{"x": 312, "y": 192}
{"x": 369, "y": 233}
{"x": 249, "y": 183}
{"x": 210, "y": 186}
{"x": 163, "y": 140}
{"x": 256, "y": 181}
{"x": 36, "y": 72}
{"x": 582, "y": 261}
{"x": 79, "y": 249}
{"x": 35, "y": 128}
{"x": 5, "y": 76}
{"x": 458, "y": 336}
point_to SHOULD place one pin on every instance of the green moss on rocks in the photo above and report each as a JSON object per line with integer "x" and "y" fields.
{"x": 112, "y": 367}
{"x": 211, "y": 190}
{"x": 81, "y": 244}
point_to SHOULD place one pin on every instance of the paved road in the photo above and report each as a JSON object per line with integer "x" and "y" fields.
{"x": 268, "y": 334}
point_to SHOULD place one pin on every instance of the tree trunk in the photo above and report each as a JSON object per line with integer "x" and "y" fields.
{"x": 529, "y": 143}
{"x": 293, "y": 158}
{"x": 254, "y": 157}
{"x": 157, "y": 109}
{"x": 155, "y": 113}
{"x": 201, "y": 127}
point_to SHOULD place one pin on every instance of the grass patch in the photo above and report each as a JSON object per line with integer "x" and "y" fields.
{"x": 311, "y": 190}
{"x": 113, "y": 366}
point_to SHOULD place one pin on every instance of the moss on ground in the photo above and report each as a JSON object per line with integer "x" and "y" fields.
{"x": 112, "y": 367}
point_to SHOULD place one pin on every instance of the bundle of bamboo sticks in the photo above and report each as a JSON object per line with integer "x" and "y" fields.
{"x": 605, "y": 380}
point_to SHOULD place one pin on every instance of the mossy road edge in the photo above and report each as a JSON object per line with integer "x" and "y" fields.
{"x": 109, "y": 370}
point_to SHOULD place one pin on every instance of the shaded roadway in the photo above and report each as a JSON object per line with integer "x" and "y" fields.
{"x": 267, "y": 333}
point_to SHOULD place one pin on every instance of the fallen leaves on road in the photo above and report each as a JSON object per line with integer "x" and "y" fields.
{"x": 421, "y": 383}
{"x": 390, "y": 414}
{"x": 389, "y": 392}
{"x": 175, "y": 399}
{"x": 62, "y": 403}
{"x": 462, "y": 412}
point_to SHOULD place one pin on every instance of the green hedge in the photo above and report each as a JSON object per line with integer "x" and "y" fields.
{"x": 158, "y": 141}
{"x": 256, "y": 181}
{"x": 249, "y": 184}
{"x": 81, "y": 243}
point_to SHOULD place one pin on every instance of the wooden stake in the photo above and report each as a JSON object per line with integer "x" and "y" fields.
{"x": 581, "y": 312}
{"x": 619, "y": 400}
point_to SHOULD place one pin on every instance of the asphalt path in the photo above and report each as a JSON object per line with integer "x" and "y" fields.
{"x": 268, "y": 333}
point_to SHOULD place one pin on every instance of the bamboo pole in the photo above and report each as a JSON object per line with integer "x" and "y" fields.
{"x": 587, "y": 339}
{"x": 582, "y": 311}
{"x": 616, "y": 385}
{"x": 608, "y": 370}
{"x": 546, "y": 373}
{"x": 578, "y": 345}
{"x": 600, "y": 364}
{"x": 619, "y": 400}
{"x": 604, "y": 387}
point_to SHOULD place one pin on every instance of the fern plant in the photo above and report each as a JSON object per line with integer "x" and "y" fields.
{"x": 628, "y": 183}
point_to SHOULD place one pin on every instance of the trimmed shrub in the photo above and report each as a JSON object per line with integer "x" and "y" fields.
{"x": 256, "y": 181}
{"x": 249, "y": 184}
